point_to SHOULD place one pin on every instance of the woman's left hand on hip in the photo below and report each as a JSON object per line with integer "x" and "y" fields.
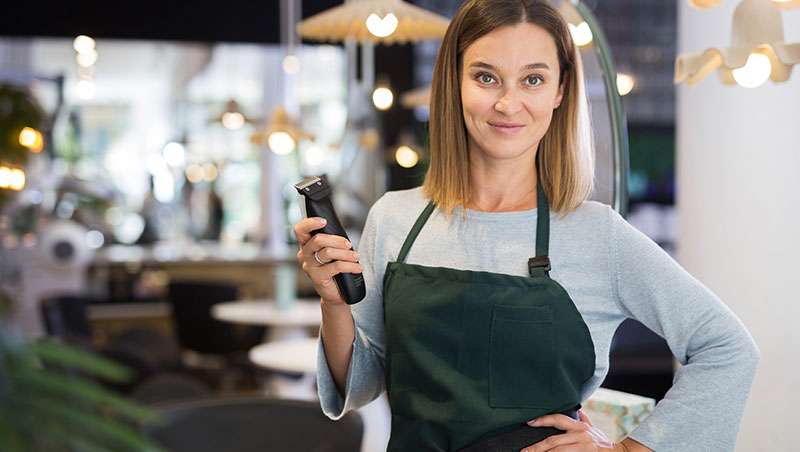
{"x": 578, "y": 436}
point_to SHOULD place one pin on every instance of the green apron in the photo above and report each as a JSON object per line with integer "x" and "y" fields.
{"x": 473, "y": 354}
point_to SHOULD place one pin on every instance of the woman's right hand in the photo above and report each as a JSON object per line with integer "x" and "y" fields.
{"x": 333, "y": 250}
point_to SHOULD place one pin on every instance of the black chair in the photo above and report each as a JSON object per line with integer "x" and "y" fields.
{"x": 197, "y": 330}
{"x": 144, "y": 351}
{"x": 169, "y": 387}
{"x": 254, "y": 425}
{"x": 219, "y": 348}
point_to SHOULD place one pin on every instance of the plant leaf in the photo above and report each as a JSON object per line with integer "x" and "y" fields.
{"x": 106, "y": 431}
{"x": 65, "y": 355}
{"x": 61, "y": 386}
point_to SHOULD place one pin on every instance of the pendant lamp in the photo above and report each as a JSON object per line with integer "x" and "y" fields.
{"x": 757, "y": 52}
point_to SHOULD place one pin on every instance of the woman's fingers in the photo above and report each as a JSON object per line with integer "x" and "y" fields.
{"x": 303, "y": 228}
{"x": 334, "y": 255}
{"x": 553, "y": 442}
{"x": 334, "y": 268}
{"x": 320, "y": 241}
{"x": 558, "y": 421}
{"x": 583, "y": 417}
{"x": 328, "y": 254}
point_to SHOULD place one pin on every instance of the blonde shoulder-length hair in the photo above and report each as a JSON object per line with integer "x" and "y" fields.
{"x": 565, "y": 156}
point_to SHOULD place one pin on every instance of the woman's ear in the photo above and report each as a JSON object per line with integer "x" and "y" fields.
{"x": 559, "y": 97}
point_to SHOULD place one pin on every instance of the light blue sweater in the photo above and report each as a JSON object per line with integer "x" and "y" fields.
{"x": 610, "y": 270}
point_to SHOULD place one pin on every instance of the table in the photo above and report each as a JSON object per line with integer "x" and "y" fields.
{"x": 284, "y": 323}
{"x": 290, "y": 355}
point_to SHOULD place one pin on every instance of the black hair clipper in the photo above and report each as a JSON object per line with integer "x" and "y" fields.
{"x": 315, "y": 195}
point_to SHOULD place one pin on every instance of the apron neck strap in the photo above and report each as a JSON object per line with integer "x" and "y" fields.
{"x": 535, "y": 264}
{"x": 423, "y": 217}
{"x": 541, "y": 263}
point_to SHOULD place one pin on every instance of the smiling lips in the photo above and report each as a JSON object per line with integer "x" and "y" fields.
{"x": 505, "y": 127}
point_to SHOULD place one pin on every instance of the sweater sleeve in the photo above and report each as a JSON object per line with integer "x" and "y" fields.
{"x": 365, "y": 378}
{"x": 703, "y": 408}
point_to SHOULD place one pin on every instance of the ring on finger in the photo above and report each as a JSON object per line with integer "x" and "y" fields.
{"x": 316, "y": 258}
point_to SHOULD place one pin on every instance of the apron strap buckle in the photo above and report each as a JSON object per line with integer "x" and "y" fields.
{"x": 539, "y": 262}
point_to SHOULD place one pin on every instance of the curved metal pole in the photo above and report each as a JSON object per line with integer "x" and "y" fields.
{"x": 616, "y": 112}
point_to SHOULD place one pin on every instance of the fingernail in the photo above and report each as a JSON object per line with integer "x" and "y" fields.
{"x": 347, "y": 244}
{"x": 533, "y": 422}
{"x": 355, "y": 255}
{"x": 323, "y": 221}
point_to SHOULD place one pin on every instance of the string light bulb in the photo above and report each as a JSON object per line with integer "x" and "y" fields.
{"x": 31, "y": 139}
{"x": 406, "y": 157}
{"x": 625, "y": 84}
{"x": 383, "y": 98}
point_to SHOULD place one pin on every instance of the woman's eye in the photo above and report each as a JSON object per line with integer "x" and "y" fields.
{"x": 485, "y": 78}
{"x": 534, "y": 80}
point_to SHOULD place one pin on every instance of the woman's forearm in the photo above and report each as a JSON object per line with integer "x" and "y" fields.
{"x": 338, "y": 333}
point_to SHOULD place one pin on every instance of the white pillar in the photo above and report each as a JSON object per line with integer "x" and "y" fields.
{"x": 738, "y": 172}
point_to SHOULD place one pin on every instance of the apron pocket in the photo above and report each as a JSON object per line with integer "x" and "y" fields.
{"x": 521, "y": 357}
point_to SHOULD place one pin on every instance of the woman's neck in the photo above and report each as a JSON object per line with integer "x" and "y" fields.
{"x": 503, "y": 185}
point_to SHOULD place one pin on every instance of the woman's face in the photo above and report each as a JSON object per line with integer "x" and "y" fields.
{"x": 509, "y": 89}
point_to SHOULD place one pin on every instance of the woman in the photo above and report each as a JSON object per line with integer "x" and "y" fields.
{"x": 481, "y": 344}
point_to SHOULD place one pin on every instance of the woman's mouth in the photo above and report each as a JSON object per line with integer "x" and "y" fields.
{"x": 506, "y": 127}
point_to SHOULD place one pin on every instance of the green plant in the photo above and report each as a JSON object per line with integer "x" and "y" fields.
{"x": 48, "y": 402}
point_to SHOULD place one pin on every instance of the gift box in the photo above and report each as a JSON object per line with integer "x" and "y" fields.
{"x": 617, "y": 413}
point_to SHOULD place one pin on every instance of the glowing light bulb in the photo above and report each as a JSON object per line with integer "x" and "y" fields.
{"x": 16, "y": 179}
{"x": 232, "y": 120}
{"x": 383, "y": 98}
{"x": 406, "y": 157}
{"x": 755, "y": 72}
{"x": 281, "y": 143}
{"x": 31, "y": 139}
{"x": 581, "y": 34}
{"x": 382, "y": 28}
{"x": 291, "y": 64}
{"x": 83, "y": 44}
{"x": 625, "y": 84}
{"x": 5, "y": 177}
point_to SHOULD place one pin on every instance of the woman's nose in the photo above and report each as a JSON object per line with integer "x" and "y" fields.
{"x": 508, "y": 104}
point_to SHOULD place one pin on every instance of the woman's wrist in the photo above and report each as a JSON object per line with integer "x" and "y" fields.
{"x": 333, "y": 308}
{"x": 630, "y": 445}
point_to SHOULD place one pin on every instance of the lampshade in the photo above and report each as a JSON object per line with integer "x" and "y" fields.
{"x": 350, "y": 20}
{"x": 279, "y": 121}
{"x": 232, "y": 117}
{"x": 757, "y": 30}
{"x": 783, "y": 4}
